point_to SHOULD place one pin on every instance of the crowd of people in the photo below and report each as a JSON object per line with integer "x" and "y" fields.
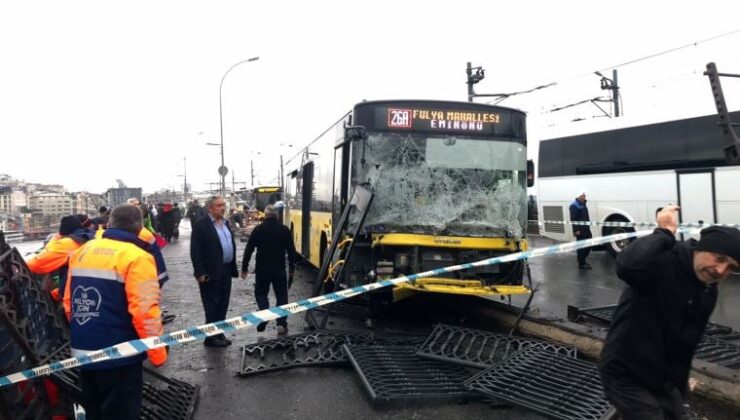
{"x": 111, "y": 271}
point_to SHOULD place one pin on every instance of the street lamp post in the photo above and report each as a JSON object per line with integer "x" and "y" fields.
{"x": 223, "y": 170}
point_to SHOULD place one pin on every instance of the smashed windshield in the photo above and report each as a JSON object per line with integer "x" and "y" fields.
{"x": 443, "y": 185}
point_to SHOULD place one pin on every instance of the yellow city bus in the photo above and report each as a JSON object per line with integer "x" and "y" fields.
{"x": 449, "y": 182}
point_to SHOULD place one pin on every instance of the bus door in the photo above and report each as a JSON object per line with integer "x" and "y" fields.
{"x": 696, "y": 197}
{"x": 307, "y": 194}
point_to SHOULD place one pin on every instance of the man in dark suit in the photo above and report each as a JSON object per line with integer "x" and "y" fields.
{"x": 213, "y": 253}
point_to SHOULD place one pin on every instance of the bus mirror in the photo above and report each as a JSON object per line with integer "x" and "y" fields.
{"x": 530, "y": 173}
{"x": 356, "y": 132}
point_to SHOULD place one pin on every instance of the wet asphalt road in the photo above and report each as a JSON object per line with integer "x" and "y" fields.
{"x": 336, "y": 392}
{"x": 308, "y": 393}
{"x": 560, "y": 283}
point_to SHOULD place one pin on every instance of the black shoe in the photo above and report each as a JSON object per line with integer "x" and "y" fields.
{"x": 261, "y": 326}
{"x": 585, "y": 266}
{"x": 216, "y": 342}
{"x": 282, "y": 329}
{"x": 227, "y": 340}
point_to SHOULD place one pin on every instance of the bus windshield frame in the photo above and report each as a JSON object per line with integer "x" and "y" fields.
{"x": 442, "y": 183}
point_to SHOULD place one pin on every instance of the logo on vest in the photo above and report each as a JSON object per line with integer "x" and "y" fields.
{"x": 85, "y": 304}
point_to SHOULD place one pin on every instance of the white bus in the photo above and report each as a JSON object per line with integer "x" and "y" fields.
{"x": 629, "y": 173}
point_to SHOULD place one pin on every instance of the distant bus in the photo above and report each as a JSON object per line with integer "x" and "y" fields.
{"x": 262, "y": 196}
{"x": 449, "y": 180}
{"x": 629, "y": 173}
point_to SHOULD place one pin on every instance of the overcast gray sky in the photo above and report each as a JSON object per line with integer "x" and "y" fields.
{"x": 92, "y": 91}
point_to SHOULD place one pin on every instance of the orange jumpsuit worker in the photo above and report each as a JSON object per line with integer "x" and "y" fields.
{"x": 112, "y": 296}
{"x": 72, "y": 235}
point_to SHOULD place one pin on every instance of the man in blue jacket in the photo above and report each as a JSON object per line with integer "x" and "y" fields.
{"x": 579, "y": 213}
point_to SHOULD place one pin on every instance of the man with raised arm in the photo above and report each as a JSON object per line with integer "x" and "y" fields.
{"x": 671, "y": 292}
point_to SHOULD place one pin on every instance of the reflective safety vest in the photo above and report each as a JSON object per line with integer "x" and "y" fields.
{"x": 54, "y": 257}
{"x": 149, "y": 240}
{"x": 112, "y": 296}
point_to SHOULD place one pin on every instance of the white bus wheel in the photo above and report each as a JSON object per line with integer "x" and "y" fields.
{"x": 616, "y": 247}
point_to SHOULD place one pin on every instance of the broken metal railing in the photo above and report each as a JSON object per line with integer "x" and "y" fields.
{"x": 311, "y": 349}
{"x": 551, "y": 384}
{"x": 397, "y": 373}
{"x": 480, "y": 349}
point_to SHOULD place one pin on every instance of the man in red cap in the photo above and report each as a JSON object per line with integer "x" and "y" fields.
{"x": 662, "y": 314}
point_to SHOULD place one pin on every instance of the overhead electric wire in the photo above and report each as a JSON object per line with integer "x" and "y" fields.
{"x": 626, "y": 63}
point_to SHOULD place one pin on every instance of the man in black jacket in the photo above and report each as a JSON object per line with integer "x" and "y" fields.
{"x": 273, "y": 241}
{"x": 662, "y": 314}
{"x": 579, "y": 213}
{"x": 213, "y": 253}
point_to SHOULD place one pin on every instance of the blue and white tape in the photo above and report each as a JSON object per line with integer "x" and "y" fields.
{"x": 629, "y": 224}
{"x": 133, "y": 347}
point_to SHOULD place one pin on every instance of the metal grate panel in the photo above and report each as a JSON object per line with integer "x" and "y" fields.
{"x": 719, "y": 351}
{"x": 25, "y": 400}
{"x": 551, "y": 384}
{"x": 478, "y": 348}
{"x": 167, "y": 398}
{"x": 397, "y": 373}
{"x": 603, "y": 314}
{"x": 164, "y": 398}
{"x": 319, "y": 348}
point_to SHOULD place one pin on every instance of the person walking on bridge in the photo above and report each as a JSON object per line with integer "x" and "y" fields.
{"x": 213, "y": 253}
{"x": 273, "y": 241}
{"x": 662, "y": 314}
{"x": 579, "y": 213}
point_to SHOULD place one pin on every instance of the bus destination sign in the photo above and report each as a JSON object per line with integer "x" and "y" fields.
{"x": 435, "y": 119}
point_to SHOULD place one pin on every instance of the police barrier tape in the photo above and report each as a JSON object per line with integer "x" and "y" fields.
{"x": 134, "y": 347}
{"x": 630, "y": 224}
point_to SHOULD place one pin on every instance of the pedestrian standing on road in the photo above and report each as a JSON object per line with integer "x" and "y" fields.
{"x": 167, "y": 220}
{"x": 579, "y": 213}
{"x": 662, "y": 314}
{"x": 195, "y": 212}
{"x": 112, "y": 296}
{"x": 213, "y": 253}
{"x": 273, "y": 241}
{"x": 178, "y": 216}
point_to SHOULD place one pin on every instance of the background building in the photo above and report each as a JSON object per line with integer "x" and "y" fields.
{"x": 117, "y": 196}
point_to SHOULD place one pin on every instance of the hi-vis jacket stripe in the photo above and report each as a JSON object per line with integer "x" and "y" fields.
{"x": 254, "y": 318}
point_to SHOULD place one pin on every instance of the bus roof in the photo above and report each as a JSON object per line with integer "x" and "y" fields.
{"x": 686, "y": 143}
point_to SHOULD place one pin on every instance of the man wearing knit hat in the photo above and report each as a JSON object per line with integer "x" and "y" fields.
{"x": 579, "y": 213}
{"x": 55, "y": 256}
{"x": 662, "y": 314}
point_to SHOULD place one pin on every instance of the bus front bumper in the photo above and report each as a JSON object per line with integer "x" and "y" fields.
{"x": 456, "y": 287}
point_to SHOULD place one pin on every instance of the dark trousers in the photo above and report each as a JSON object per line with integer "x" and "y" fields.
{"x": 583, "y": 252}
{"x": 112, "y": 393}
{"x": 215, "y": 295}
{"x": 635, "y": 402}
{"x": 275, "y": 276}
